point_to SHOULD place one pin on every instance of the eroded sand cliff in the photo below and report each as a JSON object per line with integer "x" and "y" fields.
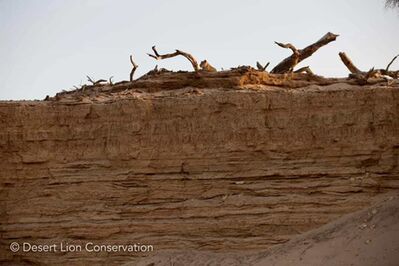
{"x": 219, "y": 162}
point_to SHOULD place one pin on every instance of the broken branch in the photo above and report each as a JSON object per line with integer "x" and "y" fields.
{"x": 260, "y": 67}
{"x": 188, "y": 56}
{"x": 390, "y": 63}
{"x": 363, "y": 76}
{"x": 288, "y": 64}
{"x": 372, "y": 73}
{"x": 348, "y": 63}
{"x": 134, "y": 67}
{"x": 95, "y": 82}
{"x": 293, "y": 59}
{"x": 289, "y": 46}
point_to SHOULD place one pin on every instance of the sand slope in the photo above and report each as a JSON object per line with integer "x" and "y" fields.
{"x": 367, "y": 237}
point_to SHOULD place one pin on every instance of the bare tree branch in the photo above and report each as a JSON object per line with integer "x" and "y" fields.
{"x": 260, "y": 67}
{"x": 90, "y": 80}
{"x": 390, "y": 63}
{"x": 290, "y": 62}
{"x": 293, "y": 59}
{"x": 189, "y": 57}
{"x": 372, "y": 73}
{"x": 348, "y": 63}
{"x": 134, "y": 67}
{"x": 289, "y": 46}
{"x": 95, "y": 82}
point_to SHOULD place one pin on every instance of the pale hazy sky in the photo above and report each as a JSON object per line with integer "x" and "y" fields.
{"x": 50, "y": 45}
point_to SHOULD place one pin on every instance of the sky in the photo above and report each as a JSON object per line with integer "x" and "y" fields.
{"x": 47, "y": 46}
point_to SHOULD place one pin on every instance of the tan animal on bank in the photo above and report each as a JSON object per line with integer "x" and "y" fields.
{"x": 205, "y": 66}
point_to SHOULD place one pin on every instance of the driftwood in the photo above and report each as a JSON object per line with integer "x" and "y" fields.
{"x": 288, "y": 64}
{"x": 372, "y": 73}
{"x": 134, "y": 67}
{"x": 189, "y": 57}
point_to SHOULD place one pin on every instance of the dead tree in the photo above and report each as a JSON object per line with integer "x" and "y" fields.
{"x": 134, "y": 67}
{"x": 188, "y": 56}
{"x": 372, "y": 73}
{"x": 288, "y": 64}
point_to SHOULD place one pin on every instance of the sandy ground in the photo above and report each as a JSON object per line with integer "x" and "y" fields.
{"x": 367, "y": 237}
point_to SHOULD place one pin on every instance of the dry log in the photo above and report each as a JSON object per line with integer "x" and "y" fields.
{"x": 288, "y": 64}
{"x": 189, "y": 57}
{"x": 134, "y": 67}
